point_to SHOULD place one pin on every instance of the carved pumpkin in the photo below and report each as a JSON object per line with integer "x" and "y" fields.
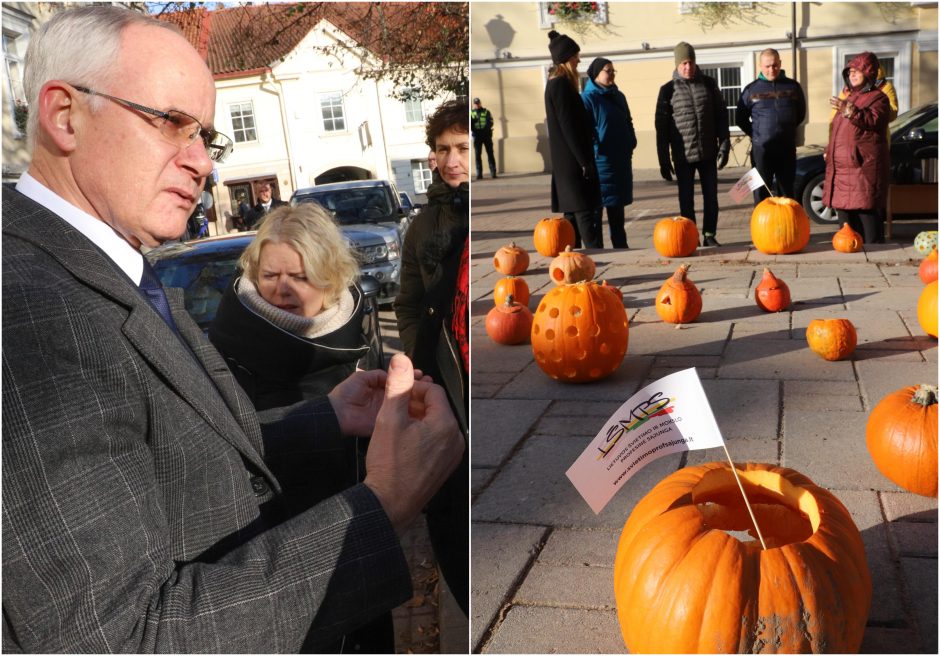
{"x": 511, "y": 260}
{"x": 928, "y": 268}
{"x": 518, "y": 288}
{"x": 509, "y": 323}
{"x": 901, "y": 435}
{"x": 552, "y": 235}
{"x": 927, "y": 309}
{"x": 847, "y": 240}
{"x": 779, "y": 225}
{"x": 570, "y": 267}
{"x": 675, "y": 236}
{"x": 683, "y": 585}
{"x": 772, "y": 294}
{"x": 679, "y": 300}
{"x": 832, "y": 339}
{"x": 579, "y": 333}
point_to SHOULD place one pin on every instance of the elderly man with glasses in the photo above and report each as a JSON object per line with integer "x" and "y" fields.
{"x": 145, "y": 508}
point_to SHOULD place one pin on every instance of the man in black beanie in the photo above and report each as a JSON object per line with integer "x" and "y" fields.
{"x": 692, "y": 121}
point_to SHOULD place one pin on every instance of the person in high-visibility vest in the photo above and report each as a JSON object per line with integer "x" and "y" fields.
{"x": 481, "y": 126}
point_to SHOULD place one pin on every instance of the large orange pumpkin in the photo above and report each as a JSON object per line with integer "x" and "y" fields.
{"x": 847, "y": 240}
{"x": 579, "y": 332}
{"x": 832, "y": 339}
{"x": 928, "y": 268}
{"x": 684, "y": 585}
{"x": 509, "y": 323}
{"x": 511, "y": 260}
{"x": 772, "y": 294}
{"x": 927, "y": 309}
{"x": 513, "y": 286}
{"x": 675, "y": 236}
{"x": 679, "y": 300}
{"x": 901, "y": 435}
{"x": 552, "y": 235}
{"x": 779, "y": 225}
{"x": 570, "y": 267}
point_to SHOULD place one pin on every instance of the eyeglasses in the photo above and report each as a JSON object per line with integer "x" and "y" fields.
{"x": 609, "y": 71}
{"x": 178, "y": 127}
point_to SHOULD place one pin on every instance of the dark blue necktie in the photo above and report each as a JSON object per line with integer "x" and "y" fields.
{"x": 152, "y": 288}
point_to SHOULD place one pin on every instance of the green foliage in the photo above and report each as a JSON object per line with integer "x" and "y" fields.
{"x": 723, "y": 14}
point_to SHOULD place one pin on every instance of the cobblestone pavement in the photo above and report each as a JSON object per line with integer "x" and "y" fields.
{"x": 542, "y": 561}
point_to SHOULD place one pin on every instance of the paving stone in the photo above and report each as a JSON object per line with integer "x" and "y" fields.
{"x": 907, "y": 507}
{"x": 581, "y": 408}
{"x": 742, "y": 450}
{"x": 751, "y": 358}
{"x": 480, "y": 477}
{"x": 914, "y": 539}
{"x": 881, "y": 300}
{"x": 902, "y": 276}
{"x": 744, "y": 408}
{"x": 882, "y": 640}
{"x": 649, "y": 335}
{"x": 508, "y": 552}
{"x": 821, "y": 396}
{"x": 523, "y": 631}
{"x": 816, "y": 291}
{"x": 920, "y": 576}
{"x": 582, "y": 548}
{"x": 489, "y": 357}
{"x": 878, "y": 378}
{"x": 497, "y": 426}
{"x": 568, "y": 585}
{"x": 533, "y": 383}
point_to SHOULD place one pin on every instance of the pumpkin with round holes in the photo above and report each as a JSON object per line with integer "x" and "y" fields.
{"x": 513, "y": 286}
{"x": 927, "y": 309}
{"x": 683, "y": 584}
{"x": 579, "y": 333}
{"x": 847, "y": 240}
{"x": 901, "y": 436}
{"x": 832, "y": 339}
{"x": 511, "y": 260}
{"x": 509, "y": 323}
{"x": 552, "y": 235}
{"x": 679, "y": 300}
{"x": 779, "y": 225}
{"x": 772, "y": 294}
{"x": 928, "y": 268}
{"x": 675, "y": 236}
{"x": 570, "y": 267}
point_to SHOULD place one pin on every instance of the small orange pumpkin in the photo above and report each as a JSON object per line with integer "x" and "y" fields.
{"x": 847, "y": 240}
{"x": 675, "y": 236}
{"x": 679, "y": 300}
{"x": 927, "y": 309}
{"x": 901, "y": 436}
{"x": 779, "y": 225}
{"x": 552, "y": 235}
{"x": 832, "y": 339}
{"x": 772, "y": 294}
{"x": 570, "y": 267}
{"x": 511, "y": 260}
{"x": 580, "y": 333}
{"x": 509, "y": 323}
{"x": 518, "y": 288}
{"x": 928, "y": 268}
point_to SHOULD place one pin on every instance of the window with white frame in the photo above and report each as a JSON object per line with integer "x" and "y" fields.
{"x": 728, "y": 78}
{"x": 894, "y": 55}
{"x": 15, "y": 96}
{"x": 414, "y": 111}
{"x": 243, "y": 122}
{"x": 331, "y": 106}
{"x": 421, "y": 174}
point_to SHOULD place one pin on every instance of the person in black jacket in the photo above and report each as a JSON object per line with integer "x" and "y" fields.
{"x": 264, "y": 205}
{"x": 433, "y": 320}
{"x": 692, "y": 120}
{"x": 481, "y": 124}
{"x": 576, "y": 188}
{"x": 769, "y": 111}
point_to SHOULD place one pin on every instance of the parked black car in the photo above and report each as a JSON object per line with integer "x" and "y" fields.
{"x": 913, "y": 138}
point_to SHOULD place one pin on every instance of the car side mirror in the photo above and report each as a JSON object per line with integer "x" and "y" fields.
{"x": 369, "y": 285}
{"x": 916, "y": 134}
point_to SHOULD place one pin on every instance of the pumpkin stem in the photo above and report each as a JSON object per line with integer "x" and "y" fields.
{"x": 568, "y": 249}
{"x": 509, "y": 300}
{"x": 512, "y": 244}
{"x": 926, "y": 395}
{"x": 679, "y": 275}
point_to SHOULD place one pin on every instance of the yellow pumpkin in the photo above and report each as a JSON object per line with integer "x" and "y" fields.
{"x": 927, "y": 309}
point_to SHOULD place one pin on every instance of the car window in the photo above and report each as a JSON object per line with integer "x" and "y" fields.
{"x": 353, "y": 205}
{"x": 203, "y": 281}
{"x": 910, "y": 119}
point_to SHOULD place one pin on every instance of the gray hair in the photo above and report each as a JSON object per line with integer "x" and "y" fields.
{"x": 78, "y": 46}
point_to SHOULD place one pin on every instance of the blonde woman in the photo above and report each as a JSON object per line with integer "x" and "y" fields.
{"x": 575, "y": 186}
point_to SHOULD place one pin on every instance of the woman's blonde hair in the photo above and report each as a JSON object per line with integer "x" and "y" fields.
{"x": 329, "y": 263}
{"x": 568, "y": 70}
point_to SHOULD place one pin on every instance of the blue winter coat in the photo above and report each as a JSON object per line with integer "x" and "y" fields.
{"x": 614, "y": 141}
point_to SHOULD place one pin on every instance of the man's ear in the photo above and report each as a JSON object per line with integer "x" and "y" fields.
{"x": 58, "y": 116}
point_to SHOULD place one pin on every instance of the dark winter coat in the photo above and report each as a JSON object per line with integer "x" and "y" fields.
{"x": 769, "y": 112}
{"x": 614, "y": 141}
{"x": 857, "y": 156}
{"x": 571, "y": 143}
{"x": 691, "y": 118}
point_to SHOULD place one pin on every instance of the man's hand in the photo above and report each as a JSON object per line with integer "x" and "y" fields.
{"x": 723, "y": 151}
{"x": 415, "y": 446}
{"x": 666, "y": 171}
{"x": 356, "y": 400}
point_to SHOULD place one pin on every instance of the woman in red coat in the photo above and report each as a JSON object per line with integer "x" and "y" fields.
{"x": 857, "y": 157}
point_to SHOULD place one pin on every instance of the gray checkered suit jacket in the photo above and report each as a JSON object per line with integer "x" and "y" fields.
{"x": 138, "y": 511}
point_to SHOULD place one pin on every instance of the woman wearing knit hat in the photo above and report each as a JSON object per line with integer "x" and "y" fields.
{"x": 614, "y": 143}
{"x": 575, "y": 188}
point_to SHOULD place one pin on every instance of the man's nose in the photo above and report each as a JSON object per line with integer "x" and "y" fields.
{"x": 196, "y": 157}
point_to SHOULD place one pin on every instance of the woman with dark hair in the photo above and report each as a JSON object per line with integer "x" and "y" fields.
{"x": 857, "y": 156}
{"x": 575, "y": 188}
{"x": 433, "y": 320}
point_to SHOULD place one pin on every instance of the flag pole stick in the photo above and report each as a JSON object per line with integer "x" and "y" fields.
{"x": 746, "y": 502}
{"x": 769, "y": 191}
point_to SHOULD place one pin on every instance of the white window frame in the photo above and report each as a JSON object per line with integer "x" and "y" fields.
{"x": 546, "y": 20}
{"x": 421, "y": 175}
{"x": 254, "y": 128}
{"x": 410, "y": 105}
{"x": 899, "y": 50}
{"x": 736, "y": 59}
{"x": 329, "y": 95}
{"x": 16, "y": 29}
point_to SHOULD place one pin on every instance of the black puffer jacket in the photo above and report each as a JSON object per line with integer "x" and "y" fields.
{"x": 691, "y": 118}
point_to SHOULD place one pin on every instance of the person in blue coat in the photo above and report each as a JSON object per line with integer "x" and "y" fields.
{"x": 614, "y": 143}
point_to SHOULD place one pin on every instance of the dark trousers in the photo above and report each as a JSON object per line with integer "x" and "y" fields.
{"x": 868, "y": 223}
{"x": 587, "y": 228}
{"x": 615, "y": 220}
{"x": 774, "y": 161}
{"x": 478, "y": 144}
{"x": 708, "y": 178}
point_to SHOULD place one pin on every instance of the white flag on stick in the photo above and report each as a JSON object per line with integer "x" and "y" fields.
{"x": 742, "y": 188}
{"x": 667, "y": 416}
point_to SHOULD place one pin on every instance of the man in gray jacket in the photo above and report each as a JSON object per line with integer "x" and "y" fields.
{"x": 692, "y": 121}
